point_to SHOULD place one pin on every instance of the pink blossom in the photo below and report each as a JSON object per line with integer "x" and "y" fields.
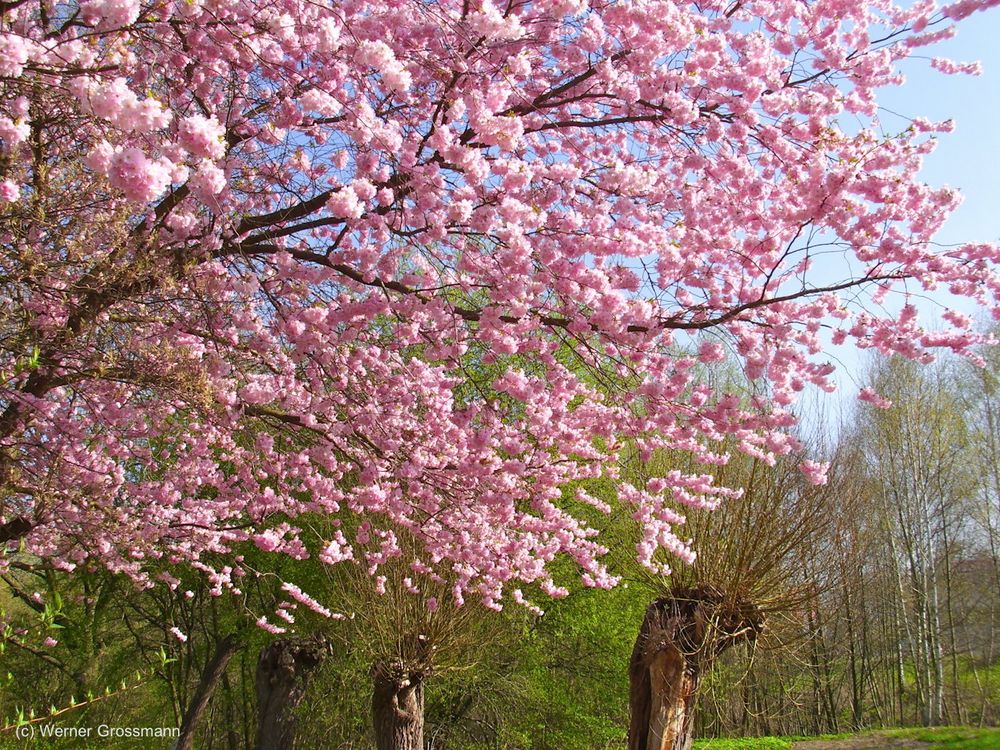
{"x": 963, "y": 8}
{"x": 269, "y": 540}
{"x": 873, "y": 398}
{"x": 110, "y": 13}
{"x": 178, "y": 634}
{"x": 711, "y": 351}
{"x": 345, "y": 204}
{"x": 115, "y": 101}
{"x": 320, "y": 102}
{"x": 493, "y": 24}
{"x": 336, "y": 550}
{"x": 951, "y": 67}
{"x": 302, "y": 598}
{"x": 138, "y": 177}
{"x": 264, "y": 624}
{"x": 182, "y": 223}
{"x": 328, "y": 34}
{"x": 202, "y": 136}
{"x": 13, "y": 54}
{"x": 13, "y": 132}
{"x": 208, "y": 180}
{"x": 9, "y": 191}
{"x": 815, "y": 471}
{"x": 99, "y": 157}
{"x": 379, "y": 55}
{"x": 397, "y": 278}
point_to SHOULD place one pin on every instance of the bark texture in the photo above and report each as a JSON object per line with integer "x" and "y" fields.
{"x": 210, "y": 679}
{"x": 398, "y": 707}
{"x": 680, "y": 636}
{"x": 283, "y": 673}
{"x": 15, "y": 528}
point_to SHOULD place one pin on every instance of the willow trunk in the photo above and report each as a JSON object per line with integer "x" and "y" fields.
{"x": 680, "y": 636}
{"x": 397, "y": 708}
{"x": 283, "y": 673}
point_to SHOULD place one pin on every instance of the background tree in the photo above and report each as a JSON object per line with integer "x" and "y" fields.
{"x": 919, "y": 458}
{"x": 856, "y": 655}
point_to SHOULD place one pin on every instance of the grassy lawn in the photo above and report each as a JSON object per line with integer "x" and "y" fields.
{"x": 744, "y": 743}
{"x": 952, "y": 738}
{"x": 939, "y": 738}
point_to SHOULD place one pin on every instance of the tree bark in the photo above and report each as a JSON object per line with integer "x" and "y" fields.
{"x": 680, "y": 636}
{"x": 283, "y": 673}
{"x": 397, "y": 707}
{"x": 15, "y": 528}
{"x": 232, "y": 733}
{"x": 209, "y": 681}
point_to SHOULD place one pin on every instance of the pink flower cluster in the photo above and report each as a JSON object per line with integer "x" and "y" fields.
{"x": 202, "y": 136}
{"x": 140, "y": 178}
{"x": 110, "y": 13}
{"x": 114, "y": 101}
{"x": 9, "y": 191}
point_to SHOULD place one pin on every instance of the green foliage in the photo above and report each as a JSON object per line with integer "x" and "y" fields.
{"x": 744, "y": 743}
{"x": 575, "y": 661}
{"x": 535, "y": 683}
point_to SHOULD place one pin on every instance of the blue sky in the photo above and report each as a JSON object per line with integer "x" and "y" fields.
{"x": 967, "y": 158}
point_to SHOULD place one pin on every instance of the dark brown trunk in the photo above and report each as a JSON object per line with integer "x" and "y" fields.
{"x": 15, "y": 528}
{"x": 397, "y": 708}
{"x": 283, "y": 673}
{"x": 232, "y": 735}
{"x": 680, "y": 636}
{"x": 210, "y": 679}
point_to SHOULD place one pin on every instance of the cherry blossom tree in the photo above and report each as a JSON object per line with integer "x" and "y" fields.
{"x": 416, "y": 266}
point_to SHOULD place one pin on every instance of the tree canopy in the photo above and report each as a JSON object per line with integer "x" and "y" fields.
{"x": 415, "y": 267}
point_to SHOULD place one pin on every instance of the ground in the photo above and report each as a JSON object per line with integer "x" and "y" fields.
{"x": 871, "y": 742}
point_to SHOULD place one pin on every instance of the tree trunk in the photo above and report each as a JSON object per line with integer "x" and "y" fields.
{"x": 232, "y": 735}
{"x": 210, "y": 679}
{"x": 397, "y": 707}
{"x": 960, "y": 716}
{"x": 857, "y": 709}
{"x": 283, "y": 672}
{"x": 680, "y": 636}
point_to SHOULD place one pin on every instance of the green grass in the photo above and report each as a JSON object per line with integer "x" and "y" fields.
{"x": 952, "y": 738}
{"x": 939, "y": 738}
{"x": 747, "y": 743}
